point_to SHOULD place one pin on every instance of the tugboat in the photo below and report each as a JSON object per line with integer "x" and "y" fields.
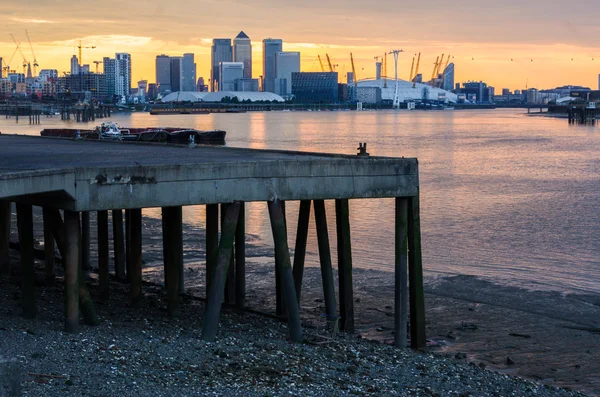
{"x": 111, "y": 131}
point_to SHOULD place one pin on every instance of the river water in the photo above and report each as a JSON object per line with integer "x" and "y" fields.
{"x": 505, "y": 197}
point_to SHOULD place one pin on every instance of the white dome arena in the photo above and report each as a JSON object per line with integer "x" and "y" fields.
{"x": 182, "y": 96}
{"x": 406, "y": 90}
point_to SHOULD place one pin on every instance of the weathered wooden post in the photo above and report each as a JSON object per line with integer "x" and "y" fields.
{"x": 279, "y": 308}
{"x": 128, "y": 244}
{"x": 401, "y": 274}
{"x": 287, "y": 278}
{"x": 415, "y": 274}
{"x": 5, "y": 215}
{"x": 71, "y": 262}
{"x": 25, "y": 220}
{"x": 135, "y": 247}
{"x": 342, "y": 216}
{"x": 300, "y": 251}
{"x": 119, "y": 247}
{"x": 230, "y": 280}
{"x": 172, "y": 218}
{"x": 85, "y": 244}
{"x": 240, "y": 259}
{"x": 217, "y": 290}
{"x": 48, "y": 247}
{"x": 103, "y": 254}
{"x": 212, "y": 243}
{"x": 325, "y": 259}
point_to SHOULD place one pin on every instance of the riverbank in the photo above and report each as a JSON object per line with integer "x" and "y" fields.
{"x": 140, "y": 352}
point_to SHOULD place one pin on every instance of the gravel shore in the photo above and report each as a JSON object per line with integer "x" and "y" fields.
{"x": 139, "y": 352}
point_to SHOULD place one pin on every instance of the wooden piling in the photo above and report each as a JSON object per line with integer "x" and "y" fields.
{"x": 71, "y": 262}
{"x": 172, "y": 218}
{"x": 85, "y": 244}
{"x": 230, "y": 280}
{"x": 5, "y": 215}
{"x": 300, "y": 251}
{"x": 415, "y": 275}
{"x": 342, "y": 216}
{"x": 128, "y": 244}
{"x": 48, "y": 247}
{"x": 401, "y": 274}
{"x": 119, "y": 246}
{"x": 325, "y": 259}
{"x": 217, "y": 290}
{"x": 279, "y": 307}
{"x": 135, "y": 247}
{"x": 25, "y": 222}
{"x": 212, "y": 243}
{"x": 240, "y": 259}
{"x": 103, "y": 254}
{"x": 278, "y": 228}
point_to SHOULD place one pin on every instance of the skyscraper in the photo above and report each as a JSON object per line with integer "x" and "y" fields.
{"x": 221, "y": 51}
{"x": 229, "y": 74}
{"x": 74, "y": 65}
{"x": 242, "y": 52}
{"x": 176, "y": 73}
{"x": 448, "y": 82}
{"x": 270, "y": 48}
{"x": 123, "y": 78}
{"x": 188, "y": 73}
{"x": 286, "y": 63}
{"x": 163, "y": 73}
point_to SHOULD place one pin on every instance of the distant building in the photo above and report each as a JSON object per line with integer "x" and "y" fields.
{"x": 200, "y": 86}
{"x": 315, "y": 87}
{"x": 377, "y": 70}
{"x": 176, "y": 73}
{"x": 142, "y": 88}
{"x": 48, "y": 74}
{"x": 84, "y": 86}
{"x": 370, "y": 95}
{"x": 242, "y": 52}
{"x": 533, "y": 96}
{"x": 343, "y": 92}
{"x": 152, "y": 91}
{"x": 506, "y": 91}
{"x": 476, "y": 91}
{"x": 270, "y": 48}
{"x": 229, "y": 74}
{"x": 110, "y": 71}
{"x": 74, "y": 65}
{"x": 1, "y": 68}
{"x": 221, "y": 51}
{"x": 15, "y": 78}
{"x": 188, "y": 73}
{"x": 350, "y": 78}
{"x": 163, "y": 73}
{"x": 286, "y": 63}
{"x": 84, "y": 69}
{"x": 491, "y": 92}
{"x": 448, "y": 77}
{"x": 118, "y": 75}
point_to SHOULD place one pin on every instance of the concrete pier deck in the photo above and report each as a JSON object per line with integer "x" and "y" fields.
{"x": 79, "y": 177}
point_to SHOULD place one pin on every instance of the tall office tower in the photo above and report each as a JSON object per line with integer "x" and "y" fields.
{"x": 74, "y": 65}
{"x": 448, "y": 82}
{"x": 242, "y": 52}
{"x": 110, "y": 71}
{"x": 221, "y": 51}
{"x": 230, "y": 73}
{"x": 188, "y": 73}
{"x": 270, "y": 48}
{"x": 286, "y": 63}
{"x": 350, "y": 78}
{"x": 123, "y": 78}
{"x": 176, "y": 73}
{"x": 163, "y": 73}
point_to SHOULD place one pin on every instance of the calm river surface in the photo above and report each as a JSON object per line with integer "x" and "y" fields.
{"x": 506, "y": 197}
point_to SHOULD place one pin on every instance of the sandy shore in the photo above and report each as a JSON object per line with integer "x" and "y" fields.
{"x": 138, "y": 352}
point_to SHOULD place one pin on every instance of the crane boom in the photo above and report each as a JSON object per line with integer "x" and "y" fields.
{"x": 353, "y": 70}
{"x": 35, "y": 63}
{"x": 443, "y": 71}
{"x": 410, "y": 77}
{"x": 329, "y": 63}
{"x": 321, "y": 63}
{"x": 80, "y": 56}
{"x": 434, "y": 69}
{"x": 417, "y": 71}
{"x": 437, "y": 73}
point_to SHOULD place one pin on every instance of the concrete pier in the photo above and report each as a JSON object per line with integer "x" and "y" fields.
{"x": 61, "y": 174}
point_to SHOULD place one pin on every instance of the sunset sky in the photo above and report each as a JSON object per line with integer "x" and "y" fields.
{"x": 549, "y": 42}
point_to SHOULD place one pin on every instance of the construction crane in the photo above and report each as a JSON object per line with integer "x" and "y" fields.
{"x": 412, "y": 69}
{"x": 437, "y": 72}
{"x": 321, "y": 63}
{"x": 80, "y": 47}
{"x": 354, "y": 78}
{"x": 97, "y": 63}
{"x": 329, "y": 63}
{"x": 21, "y": 52}
{"x": 443, "y": 71}
{"x": 434, "y": 69}
{"x": 35, "y": 63}
{"x": 7, "y": 67}
{"x": 416, "y": 71}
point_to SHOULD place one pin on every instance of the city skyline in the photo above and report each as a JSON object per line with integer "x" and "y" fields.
{"x": 508, "y": 45}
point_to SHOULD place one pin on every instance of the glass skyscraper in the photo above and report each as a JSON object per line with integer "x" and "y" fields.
{"x": 163, "y": 73}
{"x": 315, "y": 87}
{"x": 270, "y": 48}
{"x": 221, "y": 51}
{"x": 188, "y": 73}
{"x": 242, "y": 52}
{"x": 448, "y": 83}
